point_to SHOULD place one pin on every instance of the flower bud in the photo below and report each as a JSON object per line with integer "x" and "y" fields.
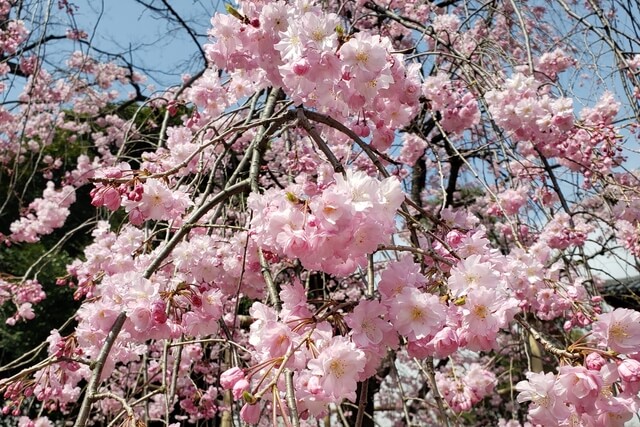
{"x": 594, "y": 361}
{"x": 250, "y": 413}
{"x": 240, "y": 387}
{"x": 629, "y": 370}
{"x": 230, "y": 377}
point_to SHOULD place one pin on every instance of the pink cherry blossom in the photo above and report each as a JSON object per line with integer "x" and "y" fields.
{"x": 545, "y": 397}
{"x": 618, "y": 330}
{"x": 368, "y": 324}
{"x": 416, "y": 314}
{"x": 339, "y": 366}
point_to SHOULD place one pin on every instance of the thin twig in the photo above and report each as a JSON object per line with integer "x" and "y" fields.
{"x": 431, "y": 378}
{"x": 362, "y": 401}
{"x": 123, "y": 402}
{"x": 322, "y": 145}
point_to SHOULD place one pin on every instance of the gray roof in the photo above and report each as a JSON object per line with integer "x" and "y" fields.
{"x": 622, "y": 293}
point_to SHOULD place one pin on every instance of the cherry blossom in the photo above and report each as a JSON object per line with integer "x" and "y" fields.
{"x": 343, "y": 206}
{"x": 618, "y": 330}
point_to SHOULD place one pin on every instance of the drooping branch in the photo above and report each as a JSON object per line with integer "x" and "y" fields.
{"x": 96, "y": 374}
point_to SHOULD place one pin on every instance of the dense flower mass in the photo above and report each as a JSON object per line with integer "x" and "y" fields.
{"x": 333, "y": 228}
{"x": 358, "y": 213}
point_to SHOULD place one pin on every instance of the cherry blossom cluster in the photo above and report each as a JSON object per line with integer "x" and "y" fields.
{"x": 44, "y": 214}
{"x": 154, "y": 200}
{"x": 553, "y": 63}
{"x": 23, "y": 295}
{"x": 467, "y": 387}
{"x": 563, "y": 231}
{"x": 458, "y": 108}
{"x": 601, "y": 391}
{"x": 530, "y": 116}
{"x": 302, "y": 49}
{"x": 526, "y": 110}
{"x": 12, "y": 35}
{"x": 510, "y": 202}
{"x": 594, "y": 147}
{"x": 449, "y": 37}
{"x": 188, "y": 297}
{"x": 327, "y": 367}
{"x": 527, "y": 279}
{"x": 626, "y": 212}
{"x": 481, "y": 304}
{"x": 332, "y": 227}
{"x": 151, "y": 199}
{"x": 52, "y": 384}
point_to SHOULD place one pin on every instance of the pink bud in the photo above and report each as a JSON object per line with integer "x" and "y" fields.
{"x": 301, "y": 67}
{"x": 454, "y": 238}
{"x": 420, "y": 348}
{"x": 111, "y": 198}
{"x": 172, "y": 108}
{"x": 196, "y": 301}
{"x": 568, "y": 325}
{"x": 136, "y": 217}
{"x": 158, "y": 310}
{"x": 445, "y": 342}
{"x": 629, "y": 370}
{"x": 135, "y": 195}
{"x": 97, "y": 196}
{"x": 240, "y": 387}
{"x": 250, "y": 413}
{"x": 594, "y": 361}
{"x": 230, "y": 377}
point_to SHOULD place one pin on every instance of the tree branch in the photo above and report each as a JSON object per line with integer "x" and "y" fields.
{"x": 94, "y": 382}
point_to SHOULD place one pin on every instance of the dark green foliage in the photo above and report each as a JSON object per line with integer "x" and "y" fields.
{"x": 51, "y": 313}
{"x": 46, "y": 260}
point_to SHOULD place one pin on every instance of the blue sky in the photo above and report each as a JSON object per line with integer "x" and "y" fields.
{"x": 128, "y": 28}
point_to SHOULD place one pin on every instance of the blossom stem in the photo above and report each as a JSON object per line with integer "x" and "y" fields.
{"x": 283, "y": 363}
{"x": 123, "y": 402}
{"x": 370, "y": 277}
{"x": 134, "y": 403}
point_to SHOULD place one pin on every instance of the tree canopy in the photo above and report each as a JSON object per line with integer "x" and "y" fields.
{"x": 354, "y": 212}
